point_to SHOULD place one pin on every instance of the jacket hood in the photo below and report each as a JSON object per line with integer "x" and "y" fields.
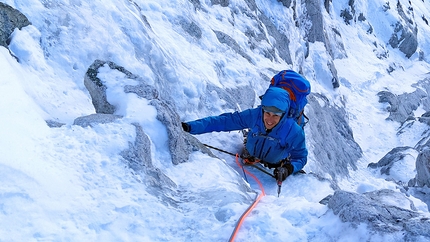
{"x": 276, "y": 97}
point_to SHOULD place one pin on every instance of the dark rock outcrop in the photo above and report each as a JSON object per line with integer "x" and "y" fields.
{"x": 387, "y": 162}
{"x": 423, "y": 168}
{"x": 226, "y": 39}
{"x": 405, "y": 36}
{"x": 401, "y": 106}
{"x": 223, "y": 3}
{"x": 10, "y": 19}
{"x": 138, "y": 154}
{"x": 329, "y": 128}
{"x": 94, "y": 119}
{"x": 54, "y": 124}
{"x": 382, "y": 218}
{"x": 286, "y": 3}
{"x": 191, "y": 28}
{"x": 281, "y": 40}
{"x": 319, "y": 31}
{"x": 97, "y": 88}
{"x": 181, "y": 145}
{"x": 322, "y": 32}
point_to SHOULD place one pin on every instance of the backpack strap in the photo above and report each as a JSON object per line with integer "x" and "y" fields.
{"x": 299, "y": 119}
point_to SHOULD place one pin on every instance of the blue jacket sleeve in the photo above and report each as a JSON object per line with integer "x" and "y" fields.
{"x": 299, "y": 155}
{"x": 299, "y": 152}
{"x": 224, "y": 122}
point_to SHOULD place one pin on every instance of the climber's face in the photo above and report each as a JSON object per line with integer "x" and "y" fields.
{"x": 271, "y": 119}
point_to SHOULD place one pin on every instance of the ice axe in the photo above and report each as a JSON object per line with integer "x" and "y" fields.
{"x": 279, "y": 176}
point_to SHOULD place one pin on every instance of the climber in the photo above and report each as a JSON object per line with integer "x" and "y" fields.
{"x": 274, "y": 139}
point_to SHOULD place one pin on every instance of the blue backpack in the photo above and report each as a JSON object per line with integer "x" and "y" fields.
{"x": 298, "y": 88}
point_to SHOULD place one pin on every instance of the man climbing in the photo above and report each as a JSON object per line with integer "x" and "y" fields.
{"x": 273, "y": 139}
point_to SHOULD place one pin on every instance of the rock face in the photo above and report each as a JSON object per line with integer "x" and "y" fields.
{"x": 319, "y": 31}
{"x": 263, "y": 33}
{"x": 225, "y": 39}
{"x": 97, "y": 87}
{"x": 382, "y": 218}
{"x": 10, "y": 19}
{"x": 335, "y": 149}
{"x": 402, "y": 109}
{"x": 94, "y": 119}
{"x": 180, "y": 143}
{"x": 402, "y": 106}
{"x": 405, "y": 32}
{"x": 281, "y": 43}
{"x": 138, "y": 155}
{"x": 423, "y": 168}
{"x": 388, "y": 161}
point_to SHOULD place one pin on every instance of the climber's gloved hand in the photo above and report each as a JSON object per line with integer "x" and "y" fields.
{"x": 270, "y": 165}
{"x": 186, "y": 127}
{"x": 275, "y": 165}
{"x": 282, "y": 172}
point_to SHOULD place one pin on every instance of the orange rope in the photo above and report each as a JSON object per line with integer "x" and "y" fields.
{"x": 239, "y": 223}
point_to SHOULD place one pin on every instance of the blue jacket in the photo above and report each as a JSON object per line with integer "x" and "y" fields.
{"x": 287, "y": 138}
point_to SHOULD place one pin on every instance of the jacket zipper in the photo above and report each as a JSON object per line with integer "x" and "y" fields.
{"x": 261, "y": 149}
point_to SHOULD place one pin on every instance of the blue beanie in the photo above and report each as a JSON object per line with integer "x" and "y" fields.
{"x": 276, "y": 97}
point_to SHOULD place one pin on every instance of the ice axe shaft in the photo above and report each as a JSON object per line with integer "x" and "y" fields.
{"x": 279, "y": 181}
{"x": 279, "y": 177}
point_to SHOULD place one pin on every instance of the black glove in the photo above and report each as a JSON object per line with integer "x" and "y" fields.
{"x": 283, "y": 172}
{"x": 186, "y": 127}
{"x": 270, "y": 165}
{"x": 275, "y": 165}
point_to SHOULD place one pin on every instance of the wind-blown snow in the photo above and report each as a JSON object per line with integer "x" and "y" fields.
{"x": 71, "y": 184}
